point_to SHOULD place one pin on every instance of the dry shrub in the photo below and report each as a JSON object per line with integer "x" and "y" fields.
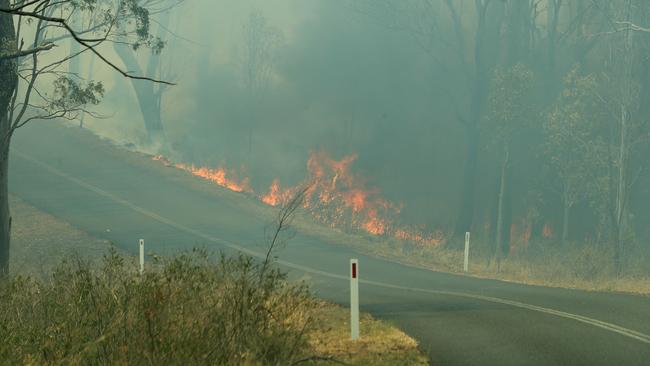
{"x": 191, "y": 309}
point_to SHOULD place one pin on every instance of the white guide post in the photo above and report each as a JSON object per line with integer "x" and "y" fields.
{"x": 466, "y": 263}
{"x": 354, "y": 298}
{"x": 141, "y": 256}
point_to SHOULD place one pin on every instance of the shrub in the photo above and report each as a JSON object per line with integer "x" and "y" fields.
{"x": 190, "y": 309}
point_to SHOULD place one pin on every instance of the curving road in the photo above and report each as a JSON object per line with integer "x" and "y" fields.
{"x": 458, "y": 320}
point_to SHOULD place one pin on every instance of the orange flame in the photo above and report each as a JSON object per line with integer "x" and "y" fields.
{"x": 276, "y": 196}
{"x": 547, "y": 230}
{"x": 336, "y": 197}
{"x": 374, "y": 225}
{"x": 218, "y": 175}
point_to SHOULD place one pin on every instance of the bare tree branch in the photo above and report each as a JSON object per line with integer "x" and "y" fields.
{"x": 283, "y": 222}
{"x": 22, "y": 53}
{"x": 82, "y": 41}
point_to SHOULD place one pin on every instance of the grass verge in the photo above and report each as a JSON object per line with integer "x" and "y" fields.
{"x": 581, "y": 267}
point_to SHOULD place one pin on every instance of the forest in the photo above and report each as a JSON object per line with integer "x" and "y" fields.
{"x": 524, "y": 122}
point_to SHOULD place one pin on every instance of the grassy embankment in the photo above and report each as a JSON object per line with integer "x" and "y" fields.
{"x": 580, "y": 267}
{"x": 94, "y": 308}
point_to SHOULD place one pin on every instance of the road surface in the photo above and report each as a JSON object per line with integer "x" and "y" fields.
{"x": 458, "y": 320}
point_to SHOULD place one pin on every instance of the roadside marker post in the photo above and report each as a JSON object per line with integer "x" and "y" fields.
{"x": 466, "y": 263}
{"x": 141, "y": 256}
{"x": 354, "y": 298}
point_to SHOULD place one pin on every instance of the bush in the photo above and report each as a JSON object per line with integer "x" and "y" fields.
{"x": 191, "y": 309}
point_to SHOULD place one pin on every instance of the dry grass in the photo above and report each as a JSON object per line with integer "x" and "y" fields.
{"x": 191, "y": 309}
{"x": 380, "y": 343}
{"x": 585, "y": 267}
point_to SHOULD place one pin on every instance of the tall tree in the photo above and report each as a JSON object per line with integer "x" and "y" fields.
{"x": 260, "y": 41}
{"x": 509, "y": 112}
{"x": 626, "y": 58}
{"x": 46, "y": 23}
{"x": 149, "y": 95}
{"x": 574, "y": 151}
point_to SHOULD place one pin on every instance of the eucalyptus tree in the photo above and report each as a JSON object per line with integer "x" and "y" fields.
{"x": 573, "y": 148}
{"x": 509, "y": 111}
{"x": 33, "y": 82}
{"x": 626, "y": 51}
{"x": 149, "y": 95}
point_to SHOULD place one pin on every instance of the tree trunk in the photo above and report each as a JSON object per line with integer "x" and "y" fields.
{"x": 479, "y": 87}
{"x": 498, "y": 253}
{"x": 553, "y": 18}
{"x": 466, "y": 214}
{"x": 89, "y": 76}
{"x": 5, "y": 216}
{"x": 74, "y": 62}
{"x": 627, "y": 96}
{"x": 565, "y": 219}
{"x": 8, "y": 80}
{"x": 148, "y": 100}
{"x": 621, "y": 191}
{"x": 250, "y": 143}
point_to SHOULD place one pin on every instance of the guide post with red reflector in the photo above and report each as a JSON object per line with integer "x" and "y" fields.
{"x": 141, "y": 256}
{"x": 354, "y": 298}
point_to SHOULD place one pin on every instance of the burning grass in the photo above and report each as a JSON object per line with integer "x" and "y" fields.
{"x": 337, "y": 197}
{"x": 220, "y": 175}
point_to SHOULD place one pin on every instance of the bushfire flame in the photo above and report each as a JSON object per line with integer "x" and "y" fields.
{"x": 218, "y": 175}
{"x": 276, "y": 195}
{"x": 336, "y": 197}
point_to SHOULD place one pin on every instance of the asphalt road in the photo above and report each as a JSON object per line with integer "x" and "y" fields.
{"x": 458, "y": 320}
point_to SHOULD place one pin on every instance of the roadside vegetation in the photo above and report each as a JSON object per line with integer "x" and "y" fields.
{"x": 545, "y": 263}
{"x": 190, "y": 309}
{"x": 82, "y": 302}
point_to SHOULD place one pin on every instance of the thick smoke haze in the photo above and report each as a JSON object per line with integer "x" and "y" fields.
{"x": 352, "y": 78}
{"x": 339, "y": 83}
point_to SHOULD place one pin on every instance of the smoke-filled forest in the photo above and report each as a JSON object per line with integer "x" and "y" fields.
{"x": 525, "y": 123}
{"x": 287, "y": 182}
{"x": 520, "y": 121}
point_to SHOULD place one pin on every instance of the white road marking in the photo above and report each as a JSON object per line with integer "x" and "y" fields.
{"x": 583, "y": 319}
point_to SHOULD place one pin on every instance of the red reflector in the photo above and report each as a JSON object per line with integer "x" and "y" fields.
{"x": 354, "y": 270}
